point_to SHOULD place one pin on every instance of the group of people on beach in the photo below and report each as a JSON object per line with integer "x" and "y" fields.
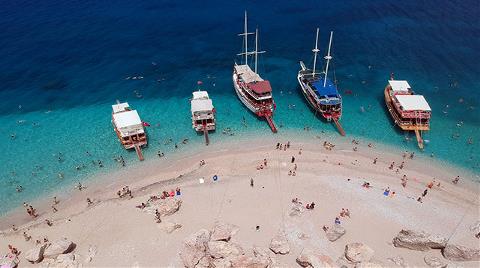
{"x": 31, "y": 211}
{"x": 281, "y": 146}
{"x": 124, "y": 192}
{"x": 328, "y": 145}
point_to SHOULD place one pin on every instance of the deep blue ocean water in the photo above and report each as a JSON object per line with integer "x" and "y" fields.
{"x": 63, "y": 63}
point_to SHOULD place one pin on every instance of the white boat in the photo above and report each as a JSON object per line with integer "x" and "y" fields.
{"x": 252, "y": 90}
{"x": 203, "y": 113}
{"x": 129, "y": 128}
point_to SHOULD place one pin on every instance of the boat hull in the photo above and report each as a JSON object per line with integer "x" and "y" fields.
{"x": 396, "y": 117}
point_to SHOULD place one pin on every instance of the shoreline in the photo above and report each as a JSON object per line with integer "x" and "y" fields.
{"x": 114, "y": 178}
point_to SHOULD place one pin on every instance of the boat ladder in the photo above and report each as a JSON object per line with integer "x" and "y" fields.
{"x": 138, "y": 150}
{"x": 419, "y": 139}
{"x": 205, "y": 133}
{"x": 271, "y": 124}
{"x": 339, "y": 127}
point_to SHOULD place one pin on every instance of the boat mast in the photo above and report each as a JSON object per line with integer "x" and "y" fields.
{"x": 256, "y": 52}
{"x": 328, "y": 58}
{"x": 245, "y": 39}
{"x": 315, "y": 52}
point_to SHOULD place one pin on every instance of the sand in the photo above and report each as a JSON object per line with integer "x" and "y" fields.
{"x": 126, "y": 236}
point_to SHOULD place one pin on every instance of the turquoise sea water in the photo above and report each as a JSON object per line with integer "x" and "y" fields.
{"x": 64, "y": 63}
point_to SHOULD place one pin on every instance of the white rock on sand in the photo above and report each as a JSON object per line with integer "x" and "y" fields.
{"x": 166, "y": 207}
{"x": 279, "y": 244}
{"x": 194, "y": 248}
{"x": 58, "y": 247}
{"x": 434, "y": 262}
{"x": 222, "y": 249}
{"x": 398, "y": 261}
{"x": 335, "y": 232}
{"x": 460, "y": 253}
{"x": 35, "y": 255}
{"x": 169, "y": 227}
{"x": 358, "y": 252}
{"x": 418, "y": 240}
{"x": 310, "y": 259}
{"x": 369, "y": 264}
{"x": 223, "y": 231}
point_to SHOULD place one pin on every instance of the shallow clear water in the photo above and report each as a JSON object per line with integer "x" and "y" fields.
{"x": 64, "y": 63}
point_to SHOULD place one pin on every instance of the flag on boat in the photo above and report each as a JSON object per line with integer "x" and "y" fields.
{"x": 199, "y": 82}
{"x": 145, "y": 124}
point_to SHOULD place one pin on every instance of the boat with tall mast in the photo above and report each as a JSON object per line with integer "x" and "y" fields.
{"x": 129, "y": 127}
{"x": 319, "y": 91}
{"x": 252, "y": 90}
{"x": 408, "y": 110}
{"x": 203, "y": 113}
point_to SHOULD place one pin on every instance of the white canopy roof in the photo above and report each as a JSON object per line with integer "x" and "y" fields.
{"x": 128, "y": 123}
{"x": 120, "y": 107}
{"x": 413, "y": 102}
{"x": 200, "y": 95}
{"x": 399, "y": 85}
{"x": 202, "y": 105}
{"x": 247, "y": 74}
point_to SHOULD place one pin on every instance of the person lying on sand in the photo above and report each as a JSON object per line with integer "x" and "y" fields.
{"x": 141, "y": 206}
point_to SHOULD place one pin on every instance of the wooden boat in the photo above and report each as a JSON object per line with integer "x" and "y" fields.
{"x": 203, "y": 113}
{"x": 129, "y": 128}
{"x": 319, "y": 91}
{"x": 409, "y": 111}
{"x": 252, "y": 90}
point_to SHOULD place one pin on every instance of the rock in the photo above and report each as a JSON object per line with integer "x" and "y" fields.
{"x": 68, "y": 260}
{"x": 222, "y": 249}
{"x": 369, "y": 264}
{"x": 194, "y": 248}
{"x": 246, "y": 261}
{"x": 35, "y": 255}
{"x": 279, "y": 244}
{"x": 460, "y": 253}
{"x": 310, "y": 259}
{"x": 418, "y": 240}
{"x": 169, "y": 227}
{"x": 398, "y": 261}
{"x": 335, "y": 232}
{"x": 221, "y": 263}
{"x": 297, "y": 210}
{"x": 358, "y": 252}
{"x": 168, "y": 206}
{"x": 223, "y": 231}
{"x": 91, "y": 252}
{"x": 58, "y": 247}
{"x": 434, "y": 262}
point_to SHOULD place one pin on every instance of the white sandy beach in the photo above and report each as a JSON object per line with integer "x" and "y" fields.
{"x": 123, "y": 235}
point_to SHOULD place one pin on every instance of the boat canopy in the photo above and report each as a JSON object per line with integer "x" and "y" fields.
{"x": 128, "y": 123}
{"x": 260, "y": 87}
{"x": 413, "y": 103}
{"x": 201, "y": 105}
{"x": 247, "y": 74}
{"x": 200, "y": 95}
{"x": 399, "y": 85}
{"x": 329, "y": 90}
{"x": 121, "y": 107}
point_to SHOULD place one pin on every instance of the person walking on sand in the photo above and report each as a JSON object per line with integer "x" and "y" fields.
{"x": 251, "y": 182}
{"x": 375, "y": 161}
{"x": 455, "y": 181}
{"x": 265, "y": 162}
{"x": 293, "y": 159}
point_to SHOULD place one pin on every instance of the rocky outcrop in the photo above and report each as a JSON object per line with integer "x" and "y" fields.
{"x": 335, "y": 232}
{"x": 279, "y": 244}
{"x": 222, "y": 249}
{"x": 58, "y": 247}
{"x": 310, "y": 259}
{"x": 358, "y": 252}
{"x": 418, "y": 240}
{"x": 35, "y": 255}
{"x": 460, "y": 253}
{"x": 195, "y": 248}
{"x": 168, "y": 206}
{"x": 434, "y": 262}
{"x": 69, "y": 260}
{"x": 203, "y": 249}
{"x": 223, "y": 231}
{"x": 398, "y": 261}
